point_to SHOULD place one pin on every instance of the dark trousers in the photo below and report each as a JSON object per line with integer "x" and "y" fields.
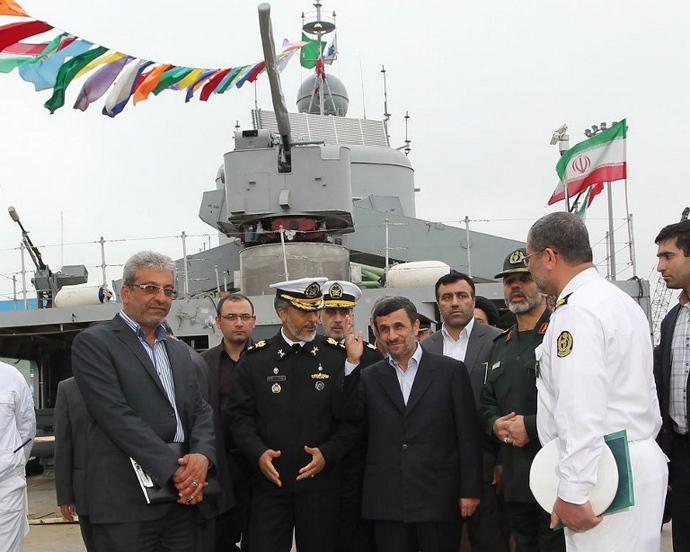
{"x": 233, "y": 526}
{"x": 174, "y": 532}
{"x": 354, "y": 533}
{"x": 87, "y": 533}
{"x": 529, "y": 524}
{"x": 488, "y": 526}
{"x": 397, "y": 536}
{"x": 679, "y": 497}
{"x": 275, "y": 512}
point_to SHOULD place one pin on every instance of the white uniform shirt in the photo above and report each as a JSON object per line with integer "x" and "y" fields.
{"x": 457, "y": 349}
{"x": 598, "y": 381}
{"x": 17, "y": 419}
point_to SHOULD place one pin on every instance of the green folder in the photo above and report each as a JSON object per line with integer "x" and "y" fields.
{"x": 625, "y": 495}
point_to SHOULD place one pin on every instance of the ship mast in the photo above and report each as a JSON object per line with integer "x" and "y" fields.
{"x": 319, "y": 26}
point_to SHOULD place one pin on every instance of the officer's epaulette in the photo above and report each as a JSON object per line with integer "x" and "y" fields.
{"x": 333, "y": 343}
{"x": 562, "y": 302}
{"x": 373, "y": 347}
{"x": 258, "y": 345}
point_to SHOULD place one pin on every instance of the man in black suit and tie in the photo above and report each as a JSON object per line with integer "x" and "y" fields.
{"x": 235, "y": 319}
{"x": 463, "y": 338}
{"x": 71, "y": 426}
{"x": 142, "y": 392}
{"x": 671, "y": 362}
{"x": 423, "y": 469}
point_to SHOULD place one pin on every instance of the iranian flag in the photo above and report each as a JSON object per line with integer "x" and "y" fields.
{"x": 595, "y": 161}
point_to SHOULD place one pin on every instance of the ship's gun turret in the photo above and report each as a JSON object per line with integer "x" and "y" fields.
{"x": 306, "y": 196}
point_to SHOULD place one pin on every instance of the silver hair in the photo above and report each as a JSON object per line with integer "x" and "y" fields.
{"x": 564, "y": 232}
{"x": 280, "y": 304}
{"x": 146, "y": 259}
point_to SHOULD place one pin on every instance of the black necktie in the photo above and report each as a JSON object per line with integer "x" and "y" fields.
{"x": 296, "y": 348}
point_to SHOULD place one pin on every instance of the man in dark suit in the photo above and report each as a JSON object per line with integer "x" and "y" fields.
{"x": 463, "y": 338}
{"x": 286, "y": 416}
{"x": 235, "y": 319}
{"x": 423, "y": 468}
{"x": 142, "y": 392}
{"x": 355, "y": 534}
{"x": 670, "y": 371}
{"x": 71, "y": 426}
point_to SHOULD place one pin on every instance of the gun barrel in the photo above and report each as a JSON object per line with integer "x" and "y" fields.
{"x": 273, "y": 77}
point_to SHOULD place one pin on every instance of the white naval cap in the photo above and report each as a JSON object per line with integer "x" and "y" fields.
{"x": 340, "y": 294}
{"x": 304, "y": 294}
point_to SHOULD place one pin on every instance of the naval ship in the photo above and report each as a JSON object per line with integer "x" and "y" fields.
{"x": 305, "y": 193}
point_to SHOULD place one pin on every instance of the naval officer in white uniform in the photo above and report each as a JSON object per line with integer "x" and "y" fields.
{"x": 594, "y": 378}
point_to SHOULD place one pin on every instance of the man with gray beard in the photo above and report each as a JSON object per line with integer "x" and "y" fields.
{"x": 286, "y": 416}
{"x": 509, "y": 405}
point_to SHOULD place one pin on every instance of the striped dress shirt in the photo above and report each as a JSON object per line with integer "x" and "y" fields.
{"x": 159, "y": 358}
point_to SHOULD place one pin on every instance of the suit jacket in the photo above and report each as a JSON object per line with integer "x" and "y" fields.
{"x": 476, "y": 358}
{"x": 662, "y": 376}
{"x": 227, "y": 467}
{"x": 477, "y": 355}
{"x": 71, "y": 426}
{"x": 132, "y": 417}
{"x": 424, "y": 456}
{"x": 284, "y": 400}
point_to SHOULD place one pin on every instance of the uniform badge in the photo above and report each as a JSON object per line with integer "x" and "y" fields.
{"x": 496, "y": 365}
{"x": 276, "y": 388}
{"x": 314, "y": 351}
{"x": 331, "y": 341}
{"x": 320, "y": 376}
{"x": 260, "y": 344}
{"x": 542, "y": 328}
{"x": 517, "y": 257}
{"x": 320, "y": 367}
{"x": 313, "y": 290}
{"x": 320, "y": 386}
{"x": 281, "y": 354}
{"x": 565, "y": 344}
{"x": 336, "y": 291}
{"x": 275, "y": 370}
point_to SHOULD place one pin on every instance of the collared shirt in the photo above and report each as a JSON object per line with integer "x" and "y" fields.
{"x": 457, "y": 349}
{"x": 159, "y": 358}
{"x": 289, "y": 341}
{"x": 680, "y": 366}
{"x": 226, "y": 369}
{"x": 406, "y": 377}
{"x": 595, "y": 378}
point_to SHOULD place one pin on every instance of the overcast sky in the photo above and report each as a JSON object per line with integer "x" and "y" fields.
{"x": 485, "y": 83}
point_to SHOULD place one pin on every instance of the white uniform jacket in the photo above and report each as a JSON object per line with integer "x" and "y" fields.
{"x": 595, "y": 377}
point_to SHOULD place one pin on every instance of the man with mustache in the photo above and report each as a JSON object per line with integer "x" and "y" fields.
{"x": 509, "y": 405}
{"x": 672, "y": 360}
{"x": 464, "y": 339}
{"x": 286, "y": 416}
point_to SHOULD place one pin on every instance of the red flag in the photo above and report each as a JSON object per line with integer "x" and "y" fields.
{"x": 14, "y": 32}
{"x": 211, "y": 85}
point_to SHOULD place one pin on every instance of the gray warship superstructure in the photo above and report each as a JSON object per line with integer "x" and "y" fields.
{"x": 301, "y": 194}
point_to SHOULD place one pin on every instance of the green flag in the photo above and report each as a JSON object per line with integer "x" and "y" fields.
{"x": 67, "y": 72}
{"x": 310, "y": 52}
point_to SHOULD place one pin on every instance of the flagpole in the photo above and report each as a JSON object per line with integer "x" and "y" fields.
{"x": 611, "y": 241}
{"x": 631, "y": 236}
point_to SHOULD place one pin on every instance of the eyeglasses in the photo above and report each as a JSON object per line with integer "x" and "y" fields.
{"x": 233, "y": 317}
{"x": 151, "y": 289}
{"x": 525, "y": 259}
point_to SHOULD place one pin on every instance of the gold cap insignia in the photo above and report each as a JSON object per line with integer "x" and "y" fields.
{"x": 313, "y": 290}
{"x": 517, "y": 257}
